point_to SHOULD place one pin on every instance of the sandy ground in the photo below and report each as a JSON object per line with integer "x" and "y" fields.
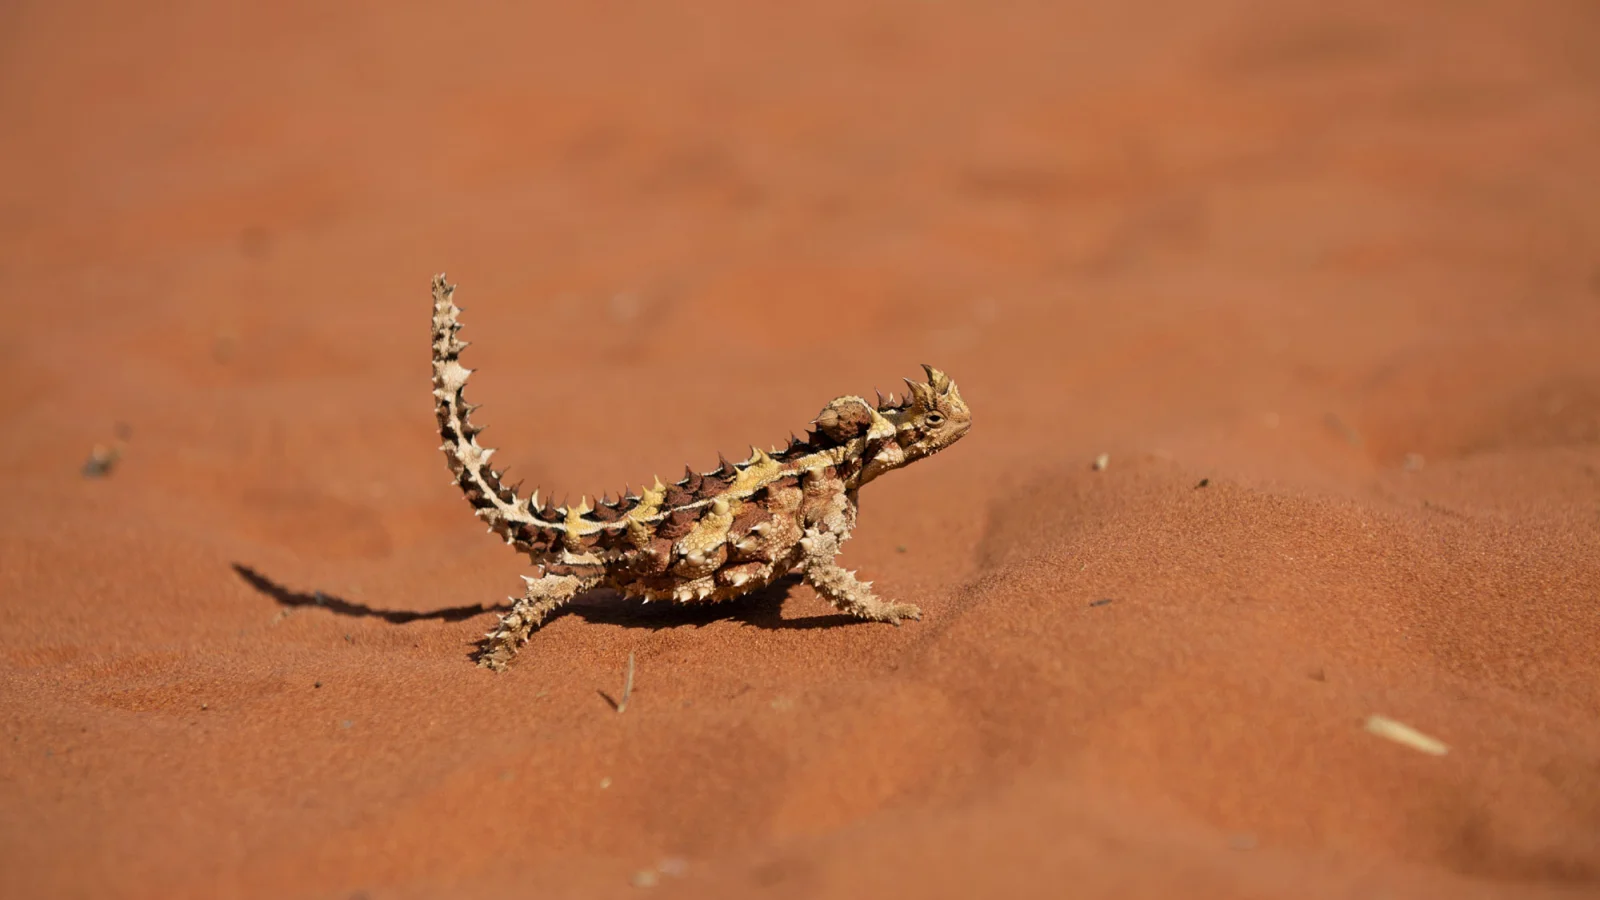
{"x": 1323, "y": 282}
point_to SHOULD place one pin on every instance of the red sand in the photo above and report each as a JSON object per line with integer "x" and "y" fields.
{"x": 1275, "y": 246}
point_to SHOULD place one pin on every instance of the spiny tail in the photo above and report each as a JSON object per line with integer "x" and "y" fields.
{"x": 496, "y": 504}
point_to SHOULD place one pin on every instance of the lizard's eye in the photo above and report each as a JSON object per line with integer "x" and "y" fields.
{"x": 933, "y": 419}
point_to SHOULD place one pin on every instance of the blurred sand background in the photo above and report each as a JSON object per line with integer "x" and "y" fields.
{"x": 1342, "y": 263}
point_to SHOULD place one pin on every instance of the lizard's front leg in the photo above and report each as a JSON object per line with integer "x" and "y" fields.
{"x": 841, "y": 588}
{"x": 544, "y": 596}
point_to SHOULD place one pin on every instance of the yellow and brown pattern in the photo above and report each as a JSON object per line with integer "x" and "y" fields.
{"x": 710, "y": 535}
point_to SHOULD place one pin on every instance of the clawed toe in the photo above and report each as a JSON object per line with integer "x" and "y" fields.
{"x": 900, "y": 611}
{"x": 497, "y": 653}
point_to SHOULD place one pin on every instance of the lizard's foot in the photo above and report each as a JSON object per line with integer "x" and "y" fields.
{"x": 894, "y": 612}
{"x": 853, "y": 596}
{"x": 501, "y": 644}
{"x": 543, "y": 597}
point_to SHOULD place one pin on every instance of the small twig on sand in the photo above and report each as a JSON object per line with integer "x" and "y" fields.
{"x": 627, "y": 686}
{"x": 1404, "y": 734}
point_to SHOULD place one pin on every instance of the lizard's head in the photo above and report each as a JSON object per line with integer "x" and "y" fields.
{"x": 930, "y": 417}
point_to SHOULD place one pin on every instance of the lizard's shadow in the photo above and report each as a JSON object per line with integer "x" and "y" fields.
{"x": 284, "y": 596}
{"x": 761, "y": 609}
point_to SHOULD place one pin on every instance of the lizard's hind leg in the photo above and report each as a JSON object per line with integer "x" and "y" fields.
{"x": 544, "y": 596}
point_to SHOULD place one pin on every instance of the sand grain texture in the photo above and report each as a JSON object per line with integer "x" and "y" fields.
{"x": 1343, "y": 265}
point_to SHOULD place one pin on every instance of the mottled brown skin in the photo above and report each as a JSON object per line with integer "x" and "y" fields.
{"x": 710, "y": 536}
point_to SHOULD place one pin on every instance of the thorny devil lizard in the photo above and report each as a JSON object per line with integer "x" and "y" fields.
{"x": 711, "y": 535}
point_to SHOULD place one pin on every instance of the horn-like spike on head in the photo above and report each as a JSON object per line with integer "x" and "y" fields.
{"x": 921, "y": 394}
{"x": 937, "y": 380}
{"x": 658, "y": 485}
